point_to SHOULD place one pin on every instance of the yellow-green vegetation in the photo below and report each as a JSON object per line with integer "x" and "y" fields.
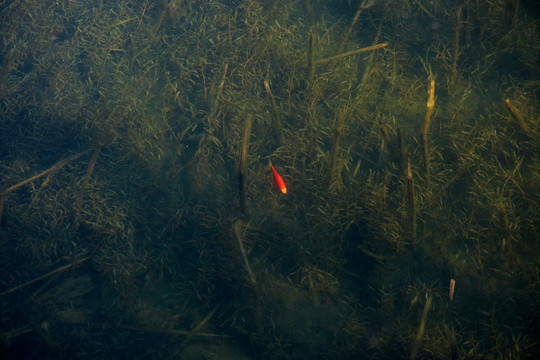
{"x": 138, "y": 217}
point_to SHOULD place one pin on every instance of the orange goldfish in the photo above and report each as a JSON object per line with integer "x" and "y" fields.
{"x": 278, "y": 180}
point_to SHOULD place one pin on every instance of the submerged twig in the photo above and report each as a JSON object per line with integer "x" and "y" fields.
{"x": 215, "y": 103}
{"x": 350, "y": 53}
{"x": 252, "y": 279}
{"x": 193, "y": 332}
{"x": 421, "y": 329}
{"x": 278, "y": 127}
{"x": 424, "y": 128}
{"x": 56, "y": 271}
{"x": 37, "y": 195}
{"x": 172, "y": 331}
{"x": 310, "y": 61}
{"x": 242, "y": 166}
{"x": 520, "y": 120}
{"x": 361, "y": 8}
{"x": 199, "y": 326}
{"x": 411, "y": 201}
{"x": 53, "y": 168}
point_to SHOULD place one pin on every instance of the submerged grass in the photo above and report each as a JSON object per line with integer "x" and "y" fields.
{"x": 183, "y": 103}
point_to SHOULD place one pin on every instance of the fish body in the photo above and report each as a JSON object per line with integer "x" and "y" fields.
{"x": 278, "y": 180}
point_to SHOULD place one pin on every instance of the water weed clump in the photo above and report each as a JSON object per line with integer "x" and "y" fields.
{"x": 137, "y": 207}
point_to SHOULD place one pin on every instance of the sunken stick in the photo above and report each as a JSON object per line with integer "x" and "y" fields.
{"x": 53, "y": 168}
{"x": 421, "y": 329}
{"x": 251, "y": 276}
{"x": 411, "y": 201}
{"x": 424, "y": 128}
{"x": 50, "y": 273}
{"x": 351, "y": 25}
{"x": 349, "y": 53}
{"x": 278, "y": 127}
{"x": 310, "y": 61}
{"x": 242, "y": 167}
